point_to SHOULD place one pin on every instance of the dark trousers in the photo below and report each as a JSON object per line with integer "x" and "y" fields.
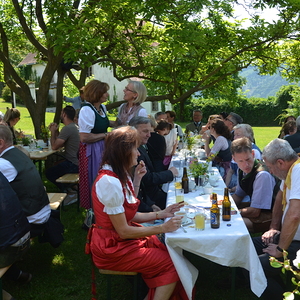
{"x": 275, "y": 285}
{"x": 13, "y": 254}
{"x": 59, "y": 170}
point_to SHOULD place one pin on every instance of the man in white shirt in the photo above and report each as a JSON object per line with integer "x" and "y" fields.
{"x": 25, "y": 180}
{"x": 284, "y": 232}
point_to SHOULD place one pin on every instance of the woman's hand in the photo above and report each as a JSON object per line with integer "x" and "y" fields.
{"x": 140, "y": 170}
{"x": 169, "y": 211}
{"x": 172, "y": 224}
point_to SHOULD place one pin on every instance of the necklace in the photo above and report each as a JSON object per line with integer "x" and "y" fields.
{"x": 100, "y": 111}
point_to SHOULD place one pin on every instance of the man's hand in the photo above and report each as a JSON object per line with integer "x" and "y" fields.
{"x": 53, "y": 127}
{"x": 273, "y": 251}
{"x": 174, "y": 171}
{"x": 268, "y": 236}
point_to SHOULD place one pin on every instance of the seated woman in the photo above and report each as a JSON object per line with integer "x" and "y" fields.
{"x": 221, "y": 147}
{"x": 12, "y": 117}
{"x": 117, "y": 241}
{"x": 282, "y": 133}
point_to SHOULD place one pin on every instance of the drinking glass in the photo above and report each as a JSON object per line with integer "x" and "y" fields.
{"x": 179, "y": 194}
{"x": 200, "y": 219}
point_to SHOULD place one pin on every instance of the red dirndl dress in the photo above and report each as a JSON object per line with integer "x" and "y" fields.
{"x": 147, "y": 255}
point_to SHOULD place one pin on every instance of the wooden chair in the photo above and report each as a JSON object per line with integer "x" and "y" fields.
{"x": 2, "y": 272}
{"x": 71, "y": 179}
{"x": 110, "y": 273}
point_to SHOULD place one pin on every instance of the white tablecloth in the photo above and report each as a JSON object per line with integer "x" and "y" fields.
{"x": 228, "y": 245}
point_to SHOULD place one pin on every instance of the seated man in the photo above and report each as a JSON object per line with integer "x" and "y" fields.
{"x": 284, "y": 231}
{"x": 150, "y": 184}
{"x": 68, "y": 138}
{"x": 15, "y": 232}
{"x": 196, "y": 125}
{"x": 255, "y": 181}
{"x": 232, "y": 120}
{"x": 25, "y": 180}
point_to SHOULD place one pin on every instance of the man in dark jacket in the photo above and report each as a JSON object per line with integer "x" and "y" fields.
{"x": 152, "y": 181}
{"x": 15, "y": 232}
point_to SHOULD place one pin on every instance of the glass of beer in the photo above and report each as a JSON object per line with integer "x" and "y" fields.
{"x": 200, "y": 219}
{"x": 179, "y": 194}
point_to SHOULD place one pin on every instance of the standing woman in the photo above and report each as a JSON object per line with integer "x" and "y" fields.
{"x": 117, "y": 240}
{"x": 12, "y": 117}
{"x": 135, "y": 93}
{"x": 93, "y": 123}
{"x": 221, "y": 146}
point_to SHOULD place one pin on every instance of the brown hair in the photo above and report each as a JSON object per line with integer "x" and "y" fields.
{"x": 220, "y": 128}
{"x": 11, "y": 113}
{"x": 94, "y": 90}
{"x": 118, "y": 150}
{"x": 241, "y": 145}
{"x": 162, "y": 124}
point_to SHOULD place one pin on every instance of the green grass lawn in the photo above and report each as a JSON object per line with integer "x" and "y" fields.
{"x": 65, "y": 272}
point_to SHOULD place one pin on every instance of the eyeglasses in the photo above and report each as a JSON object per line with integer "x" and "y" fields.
{"x": 127, "y": 89}
{"x": 227, "y": 119}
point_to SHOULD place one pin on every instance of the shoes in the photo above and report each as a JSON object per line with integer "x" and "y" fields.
{"x": 7, "y": 296}
{"x": 24, "y": 278}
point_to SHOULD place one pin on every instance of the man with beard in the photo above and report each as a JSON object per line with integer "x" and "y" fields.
{"x": 68, "y": 138}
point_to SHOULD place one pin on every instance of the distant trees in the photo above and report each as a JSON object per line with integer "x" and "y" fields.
{"x": 179, "y": 48}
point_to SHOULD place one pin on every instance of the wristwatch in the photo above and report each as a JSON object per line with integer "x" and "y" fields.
{"x": 279, "y": 249}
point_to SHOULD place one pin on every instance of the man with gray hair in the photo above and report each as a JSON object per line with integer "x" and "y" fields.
{"x": 284, "y": 233}
{"x": 196, "y": 125}
{"x": 160, "y": 116}
{"x": 25, "y": 180}
{"x": 294, "y": 139}
{"x": 151, "y": 181}
{"x": 232, "y": 120}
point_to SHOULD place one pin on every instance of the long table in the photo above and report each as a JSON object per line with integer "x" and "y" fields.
{"x": 228, "y": 245}
{"x": 37, "y": 156}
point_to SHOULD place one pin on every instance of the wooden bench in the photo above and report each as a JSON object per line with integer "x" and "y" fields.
{"x": 110, "y": 273}
{"x": 56, "y": 199}
{"x": 71, "y": 179}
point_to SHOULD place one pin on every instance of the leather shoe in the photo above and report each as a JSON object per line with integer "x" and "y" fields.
{"x": 24, "y": 278}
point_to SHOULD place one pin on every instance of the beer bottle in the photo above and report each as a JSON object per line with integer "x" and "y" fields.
{"x": 226, "y": 206}
{"x": 214, "y": 212}
{"x": 185, "y": 181}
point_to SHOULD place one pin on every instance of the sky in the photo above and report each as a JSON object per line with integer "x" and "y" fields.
{"x": 241, "y": 12}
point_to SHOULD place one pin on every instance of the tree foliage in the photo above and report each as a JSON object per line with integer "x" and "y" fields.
{"x": 180, "y": 47}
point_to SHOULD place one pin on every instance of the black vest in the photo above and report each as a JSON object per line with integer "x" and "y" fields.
{"x": 28, "y": 184}
{"x": 246, "y": 183}
{"x": 225, "y": 155}
{"x": 101, "y": 123}
{"x": 13, "y": 222}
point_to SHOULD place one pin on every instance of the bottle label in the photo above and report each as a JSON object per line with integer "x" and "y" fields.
{"x": 214, "y": 218}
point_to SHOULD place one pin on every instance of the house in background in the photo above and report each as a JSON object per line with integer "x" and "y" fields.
{"x": 104, "y": 74}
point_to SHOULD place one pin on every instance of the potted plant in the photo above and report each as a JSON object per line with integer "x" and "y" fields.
{"x": 25, "y": 141}
{"x": 199, "y": 171}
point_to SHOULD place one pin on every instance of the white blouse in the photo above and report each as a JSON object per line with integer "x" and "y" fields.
{"x": 110, "y": 193}
{"x": 86, "y": 121}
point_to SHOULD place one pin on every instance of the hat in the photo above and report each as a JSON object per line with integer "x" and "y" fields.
{"x": 238, "y": 119}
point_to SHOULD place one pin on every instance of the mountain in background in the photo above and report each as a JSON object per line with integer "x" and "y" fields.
{"x": 261, "y": 86}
